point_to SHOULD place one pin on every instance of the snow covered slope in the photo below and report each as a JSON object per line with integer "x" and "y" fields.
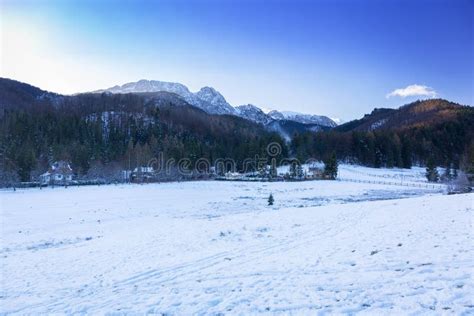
{"x": 146, "y": 249}
{"x": 253, "y": 113}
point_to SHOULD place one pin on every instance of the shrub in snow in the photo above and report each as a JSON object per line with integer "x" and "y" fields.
{"x": 270, "y": 200}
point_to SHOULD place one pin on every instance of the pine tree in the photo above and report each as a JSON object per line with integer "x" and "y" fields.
{"x": 447, "y": 173}
{"x": 431, "y": 171}
{"x": 330, "y": 167}
{"x": 406, "y": 154}
{"x": 273, "y": 171}
{"x": 26, "y": 162}
{"x": 455, "y": 173}
{"x": 299, "y": 172}
{"x": 270, "y": 200}
{"x": 293, "y": 170}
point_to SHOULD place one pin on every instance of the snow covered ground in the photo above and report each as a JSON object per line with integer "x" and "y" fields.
{"x": 389, "y": 244}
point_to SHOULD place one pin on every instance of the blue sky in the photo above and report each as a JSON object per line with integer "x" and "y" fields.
{"x": 339, "y": 58}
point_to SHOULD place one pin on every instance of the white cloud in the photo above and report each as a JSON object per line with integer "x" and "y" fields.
{"x": 412, "y": 91}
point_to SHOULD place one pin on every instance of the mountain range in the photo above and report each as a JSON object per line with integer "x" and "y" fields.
{"x": 211, "y": 101}
{"x": 15, "y": 94}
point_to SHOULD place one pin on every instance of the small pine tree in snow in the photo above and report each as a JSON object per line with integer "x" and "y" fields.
{"x": 270, "y": 200}
{"x": 431, "y": 171}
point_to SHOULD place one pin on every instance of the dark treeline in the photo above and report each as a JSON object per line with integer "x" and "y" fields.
{"x": 100, "y": 134}
{"x": 447, "y": 144}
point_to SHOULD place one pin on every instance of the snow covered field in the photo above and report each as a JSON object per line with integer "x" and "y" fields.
{"x": 389, "y": 244}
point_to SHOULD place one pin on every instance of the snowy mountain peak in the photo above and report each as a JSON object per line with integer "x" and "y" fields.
{"x": 276, "y": 115}
{"x": 249, "y": 107}
{"x": 214, "y": 98}
{"x": 149, "y": 86}
{"x": 253, "y": 113}
{"x": 302, "y": 118}
{"x": 210, "y": 92}
{"x": 207, "y": 99}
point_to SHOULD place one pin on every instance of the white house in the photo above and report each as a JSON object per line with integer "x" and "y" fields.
{"x": 315, "y": 171}
{"x": 60, "y": 172}
{"x": 233, "y": 175}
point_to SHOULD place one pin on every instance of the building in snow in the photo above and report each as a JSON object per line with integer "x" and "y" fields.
{"x": 313, "y": 170}
{"x": 142, "y": 174}
{"x": 60, "y": 173}
{"x": 233, "y": 176}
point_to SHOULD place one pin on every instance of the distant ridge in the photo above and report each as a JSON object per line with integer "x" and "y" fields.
{"x": 207, "y": 99}
{"x": 211, "y": 101}
{"x": 418, "y": 113}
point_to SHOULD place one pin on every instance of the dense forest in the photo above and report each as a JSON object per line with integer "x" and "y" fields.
{"x": 434, "y": 130}
{"x": 102, "y": 134}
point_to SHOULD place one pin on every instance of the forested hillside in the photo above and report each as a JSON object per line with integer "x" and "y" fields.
{"x": 103, "y": 133}
{"x": 435, "y": 130}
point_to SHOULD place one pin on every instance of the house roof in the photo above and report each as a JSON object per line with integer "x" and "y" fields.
{"x": 60, "y": 167}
